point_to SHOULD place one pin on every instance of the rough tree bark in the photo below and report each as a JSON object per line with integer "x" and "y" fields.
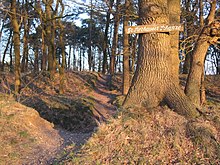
{"x": 174, "y": 18}
{"x": 194, "y": 89}
{"x": 154, "y": 80}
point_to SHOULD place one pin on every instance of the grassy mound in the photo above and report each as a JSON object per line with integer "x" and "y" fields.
{"x": 24, "y": 135}
{"x": 141, "y": 137}
{"x": 72, "y": 110}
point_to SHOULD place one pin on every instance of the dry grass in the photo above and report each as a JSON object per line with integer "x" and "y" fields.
{"x": 134, "y": 136}
{"x": 140, "y": 137}
{"x": 24, "y": 136}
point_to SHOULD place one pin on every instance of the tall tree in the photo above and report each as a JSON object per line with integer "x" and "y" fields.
{"x": 16, "y": 40}
{"x": 154, "y": 80}
{"x": 194, "y": 88}
{"x": 126, "y": 76}
{"x": 105, "y": 44}
{"x": 115, "y": 37}
{"x": 26, "y": 24}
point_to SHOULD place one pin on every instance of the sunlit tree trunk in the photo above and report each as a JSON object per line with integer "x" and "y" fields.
{"x": 62, "y": 45}
{"x": 155, "y": 79}
{"x": 188, "y": 28}
{"x": 26, "y": 22}
{"x": 133, "y": 55}
{"x": 194, "y": 86}
{"x": 105, "y": 44}
{"x": 50, "y": 37}
{"x": 115, "y": 37}
{"x": 43, "y": 35}
{"x": 16, "y": 40}
{"x": 11, "y": 58}
{"x": 126, "y": 78}
{"x": 174, "y": 18}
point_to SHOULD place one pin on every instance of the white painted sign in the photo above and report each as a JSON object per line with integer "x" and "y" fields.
{"x": 152, "y": 28}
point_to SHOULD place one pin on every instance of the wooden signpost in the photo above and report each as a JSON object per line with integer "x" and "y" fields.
{"x": 152, "y": 28}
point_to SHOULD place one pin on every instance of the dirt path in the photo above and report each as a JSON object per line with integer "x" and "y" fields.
{"x": 102, "y": 98}
{"x": 103, "y": 109}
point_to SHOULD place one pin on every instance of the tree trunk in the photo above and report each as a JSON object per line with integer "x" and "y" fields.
{"x": 36, "y": 58}
{"x": 26, "y": 22}
{"x": 174, "y": 18}
{"x": 16, "y": 40}
{"x": 69, "y": 57}
{"x": 5, "y": 51}
{"x": 115, "y": 38}
{"x": 126, "y": 76}
{"x": 50, "y": 27}
{"x": 155, "y": 79}
{"x": 188, "y": 27}
{"x": 105, "y": 44}
{"x": 11, "y": 58}
{"x": 194, "y": 86}
{"x": 133, "y": 55}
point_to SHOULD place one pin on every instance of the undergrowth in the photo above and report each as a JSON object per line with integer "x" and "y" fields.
{"x": 137, "y": 136}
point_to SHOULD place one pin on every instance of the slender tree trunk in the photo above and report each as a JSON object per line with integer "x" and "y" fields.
{"x": 126, "y": 76}
{"x": 105, "y": 44}
{"x": 16, "y": 40}
{"x": 5, "y": 51}
{"x": 115, "y": 38}
{"x": 53, "y": 48}
{"x": 155, "y": 79}
{"x": 133, "y": 55}
{"x": 50, "y": 38}
{"x": 11, "y": 59}
{"x": 194, "y": 81}
{"x": 36, "y": 58}
{"x": 189, "y": 32}
{"x": 62, "y": 68}
{"x": 69, "y": 57}
{"x": 99, "y": 60}
{"x": 80, "y": 59}
{"x": 43, "y": 35}
{"x": 83, "y": 58}
{"x": 90, "y": 59}
{"x": 24, "y": 61}
{"x": 74, "y": 58}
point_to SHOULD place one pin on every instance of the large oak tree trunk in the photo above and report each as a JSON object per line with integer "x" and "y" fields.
{"x": 174, "y": 18}
{"x": 155, "y": 79}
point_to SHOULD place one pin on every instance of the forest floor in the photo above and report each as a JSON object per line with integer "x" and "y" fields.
{"x": 70, "y": 119}
{"x": 49, "y": 128}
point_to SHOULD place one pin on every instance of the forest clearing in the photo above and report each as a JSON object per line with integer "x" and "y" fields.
{"x": 109, "y": 82}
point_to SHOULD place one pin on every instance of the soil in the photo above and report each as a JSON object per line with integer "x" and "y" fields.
{"x": 48, "y": 128}
{"x": 56, "y": 140}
